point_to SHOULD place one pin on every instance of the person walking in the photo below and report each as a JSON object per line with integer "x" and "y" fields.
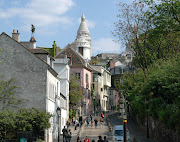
{"x": 102, "y": 115}
{"x": 86, "y": 140}
{"x": 100, "y": 139}
{"x": 76, "y": 123}
{"x": 65, "y": 133}
{"x": 91, "y": 120}
{"x": 95, "y": 121}
{"x": 87, "y": 121}
{"x": 72, "y": 120}
{"x": 105, "y": 139}
{"x": 101, "y": 121}
{"x": 69, "y": 136}
{"x": 80, "y": 121}
{"x": 78, "y": 139}
{"x": 67, "y": 124}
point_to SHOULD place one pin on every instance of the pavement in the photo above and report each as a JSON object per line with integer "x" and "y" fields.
{"x": 137, "y": 133}
{"x": 92, "y": 133}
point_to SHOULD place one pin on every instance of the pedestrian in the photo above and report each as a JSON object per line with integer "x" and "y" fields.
{"x": 91, "y": 120}
{"x": 100, "y": 139}
{"x": 105, "y": 139}
{"x": 72, "y": 120}
{"x": 95, "y": 121}
{"x": 86, "y": 140}
{"x": 65, "y": 133}
{"x": 102, "y": 115}
{"x": 67, "y": 124}
{"x": 101, "y": 121}
{"x": 87, "y": 121}
{"x": 80, "y": 121}
{"x": 69, "y": 136}
{"x": 78, "y": 139}
{"x": 76, "y": 124}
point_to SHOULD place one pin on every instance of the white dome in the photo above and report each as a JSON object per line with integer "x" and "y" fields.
{"x": 83, "y": 26}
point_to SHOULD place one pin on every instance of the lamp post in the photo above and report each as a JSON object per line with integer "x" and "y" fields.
{"x": 58, "y": 111}
{"x": 147, "y": 103}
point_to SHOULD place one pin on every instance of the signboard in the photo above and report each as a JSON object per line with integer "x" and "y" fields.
{"x": 23, "y": 140}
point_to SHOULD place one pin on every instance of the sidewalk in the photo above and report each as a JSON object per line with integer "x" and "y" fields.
{"x": 75, "y": 133}
{"x": 137, "y": 133}
{"x": 93, "y": 132}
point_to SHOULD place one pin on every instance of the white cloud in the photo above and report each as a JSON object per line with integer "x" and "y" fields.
{"x": 105, "y": 45}
{"x": 40, "y": 12}
{"x": 89, "y": 23}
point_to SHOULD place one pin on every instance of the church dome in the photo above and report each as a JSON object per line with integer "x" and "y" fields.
{"x": 83, "y": 29}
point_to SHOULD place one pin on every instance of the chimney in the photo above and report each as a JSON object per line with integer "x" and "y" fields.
{"x": 33, "y": 43}
{"x": 15, "y": 35}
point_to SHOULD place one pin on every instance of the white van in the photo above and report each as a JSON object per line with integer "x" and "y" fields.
{"x": 118, "y": 134}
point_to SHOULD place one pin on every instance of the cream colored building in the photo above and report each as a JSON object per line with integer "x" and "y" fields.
{"x": 101, "y": 85}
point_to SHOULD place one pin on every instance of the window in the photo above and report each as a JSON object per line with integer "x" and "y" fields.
{"x": 51, "y": 91}
{"x": 111, "y": 92}
{"x": 86, "y": 78}
{"x": 81, "y": 50}
{"x": 78, "y": 75}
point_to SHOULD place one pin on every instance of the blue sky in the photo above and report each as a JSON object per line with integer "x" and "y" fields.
{"x": 58, "y": 20}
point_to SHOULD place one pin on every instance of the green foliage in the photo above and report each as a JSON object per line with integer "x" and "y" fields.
{"x": 161, "y": 88}
{"x": 8, "y": 93}
{"x": 75, "y": 92}
{"x": 7, "y": 124}
{"x": 72, "y": 113}
{"x": 23, "y": 120}
{"x": 92, "y": 91}
{"x": 94, "y": 61}
{"x": 52, "y": 50}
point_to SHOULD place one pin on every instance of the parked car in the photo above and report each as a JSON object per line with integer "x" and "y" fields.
{"x": 118, "y": 134}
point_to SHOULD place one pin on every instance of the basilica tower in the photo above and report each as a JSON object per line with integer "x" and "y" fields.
{"x": 83, "y": 40}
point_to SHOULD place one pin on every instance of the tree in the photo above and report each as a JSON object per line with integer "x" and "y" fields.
{"x": 154, "y": 37}
{"x": 75, "y": 92}
{"x": 23, "y": 120}
{"x": 142, "y": 29}
{"x": 8, "y": 93}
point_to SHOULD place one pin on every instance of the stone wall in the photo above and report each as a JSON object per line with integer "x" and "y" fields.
{"x": 29, "y": 72}
{"x": 158, "y": 130}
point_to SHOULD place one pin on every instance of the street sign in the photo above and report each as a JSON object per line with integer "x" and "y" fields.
{"x": 23, "y": 140}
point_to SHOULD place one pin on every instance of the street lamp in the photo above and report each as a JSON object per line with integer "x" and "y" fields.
{"x": 58, "y": 111}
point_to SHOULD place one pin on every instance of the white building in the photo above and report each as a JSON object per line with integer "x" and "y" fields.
{"x": 35, "y": 77}
{"x": 82, "y": 43}
{"x": 101, "y": 84}
{"x": 61, "y": 66}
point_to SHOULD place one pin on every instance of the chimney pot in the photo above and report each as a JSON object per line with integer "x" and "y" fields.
{"x": 15, "y": 35}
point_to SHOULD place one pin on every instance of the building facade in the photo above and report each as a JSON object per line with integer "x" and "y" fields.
{"x": 101, "y": 85}
{"x": 37, "y": 81}
{"x": 83, "y": 71}
{"x": 61, "y": 66}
